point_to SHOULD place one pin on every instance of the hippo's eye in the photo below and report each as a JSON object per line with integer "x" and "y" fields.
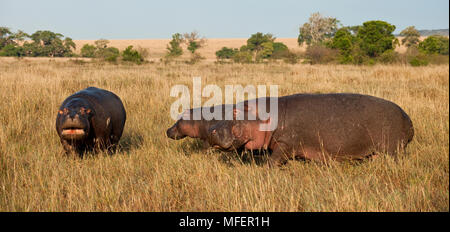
{"x": 60, "y": 112}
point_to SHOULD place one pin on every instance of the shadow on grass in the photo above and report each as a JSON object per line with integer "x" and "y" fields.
{"x": 255, "y": 157}
{"x": 129, "y": 142}
{"x": 189, "y": 146}
{"x": 230, "y": 158}
{"x": 244, "y": 157}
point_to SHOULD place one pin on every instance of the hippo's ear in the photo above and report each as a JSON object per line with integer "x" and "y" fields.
{"x": 63, "y": 111}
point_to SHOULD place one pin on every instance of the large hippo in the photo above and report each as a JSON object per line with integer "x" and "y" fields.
{"x": 92, "y": 118}
{"x": 319, "y": 127}
{"x": 194, "y": 128}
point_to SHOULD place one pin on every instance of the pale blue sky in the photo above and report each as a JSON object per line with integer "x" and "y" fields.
{"x": 136, "y": 19}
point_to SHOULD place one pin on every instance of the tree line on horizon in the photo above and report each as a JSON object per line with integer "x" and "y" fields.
{"x": 50, "y": 44}
{"x": 326, "y": 39}
{"x": 329, "y": 42}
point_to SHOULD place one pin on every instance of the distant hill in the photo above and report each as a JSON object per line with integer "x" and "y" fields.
{"x": 443, "y": 32}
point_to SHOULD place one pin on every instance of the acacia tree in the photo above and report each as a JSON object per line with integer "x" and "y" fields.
{"x": 88, "y": 51}
{"x": 5, "y": 37}
{"x": 317, "y": 29}
{"x": 8, "y": 42}
{"x": 411, "y": 36}
{"x": 9, "y": 38}
{"x": 47, "y": 43}
{"x": 261, "y": 45}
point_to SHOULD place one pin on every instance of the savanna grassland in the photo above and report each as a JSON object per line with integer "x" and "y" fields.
{"x": 153, "y": 173}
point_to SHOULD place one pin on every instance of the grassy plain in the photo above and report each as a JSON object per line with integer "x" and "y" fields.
{"x": 154, "y": 173}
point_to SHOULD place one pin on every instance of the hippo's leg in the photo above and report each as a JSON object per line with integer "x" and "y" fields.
{"x": 205, "y": 145}
{"x": 101, "y": 143}
{"x": 279, "y": 155}
{"x": 113, "y": 142}
{"x": 72, "y": 150}
{"x": 69, "y": 148}
{"x": 312, "y": 154}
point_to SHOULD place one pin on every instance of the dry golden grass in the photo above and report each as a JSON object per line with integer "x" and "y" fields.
{"x": 154, "y": 173}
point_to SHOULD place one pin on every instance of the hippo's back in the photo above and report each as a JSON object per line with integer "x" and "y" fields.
{"x": 350, "y": 124}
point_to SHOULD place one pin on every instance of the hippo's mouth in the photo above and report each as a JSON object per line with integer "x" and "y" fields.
{"x": 223, "y": 147}
{"x": 73, "y": 133}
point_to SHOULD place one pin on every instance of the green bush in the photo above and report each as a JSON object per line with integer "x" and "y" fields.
{"x": 266, "y": 52}
{"x": 226, "y": 53}
{"x": 435, "y": 44}
{"x": 417, "y": 57}
{"x": 243, "y": 57}
{"x": 347, "y": 45}
{"x": 131, "y": 55}
{"x": 280, "y": 51}
{"x": 174, "y": 47}
{"x": 343, "y": 40}
{"x": 376, "y": 37}
{"x": 12, "y": 50}
{"x": 193, "y": 46}
{"x": 418, "y": 61}
{"x": 88, "y": 51}
{"x": 109, "y": 54}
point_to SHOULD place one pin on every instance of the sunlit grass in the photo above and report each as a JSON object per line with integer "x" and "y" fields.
{"x": 154, "y": 173}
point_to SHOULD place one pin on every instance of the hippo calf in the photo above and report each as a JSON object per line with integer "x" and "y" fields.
{"x": 194, "y": 128}
{"x": 92, "y": 118}
{"x": 319, "y": 127}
